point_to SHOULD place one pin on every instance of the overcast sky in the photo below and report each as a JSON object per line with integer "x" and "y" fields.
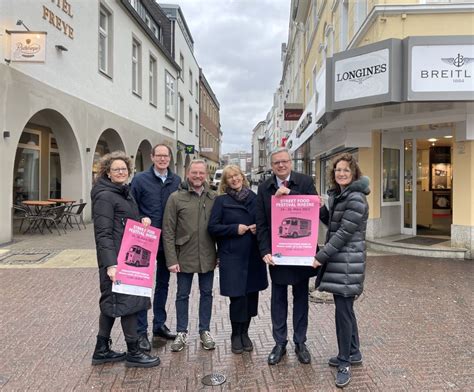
{"x": 237, "y": 44}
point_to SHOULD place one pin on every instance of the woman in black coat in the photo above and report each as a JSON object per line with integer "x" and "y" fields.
{"x": 241, "y": 269}
{"x": 343, "y": 256}
{"x": 112, "y": 205}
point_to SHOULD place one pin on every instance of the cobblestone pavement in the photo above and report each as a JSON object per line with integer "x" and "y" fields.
{"x": 415, "y": 321}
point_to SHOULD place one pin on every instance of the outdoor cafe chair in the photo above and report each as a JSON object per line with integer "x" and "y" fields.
{"x": 23, "y": 213}
{"x": 74, "y": 212}
{"x": 51, "y": 217}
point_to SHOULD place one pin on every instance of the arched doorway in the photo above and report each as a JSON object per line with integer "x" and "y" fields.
{"x": 47, "y": 161}
{"x": 108, "y": 141}
{"x": 142, "y": 159}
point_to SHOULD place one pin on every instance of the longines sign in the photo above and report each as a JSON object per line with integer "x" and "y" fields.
{"x": 362, "y": 76}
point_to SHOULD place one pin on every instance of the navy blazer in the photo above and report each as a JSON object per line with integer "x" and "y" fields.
{"x": 241, "y": 269}
{"x": 299, "y": 184}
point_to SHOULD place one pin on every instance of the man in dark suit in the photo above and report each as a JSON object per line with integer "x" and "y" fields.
{"x": 284, "y": 181}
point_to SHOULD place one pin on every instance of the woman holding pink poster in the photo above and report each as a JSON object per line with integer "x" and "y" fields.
{"x": 112, "y": 205}
{"x": 241, "y": 270}
{"x": 343, "y": 257}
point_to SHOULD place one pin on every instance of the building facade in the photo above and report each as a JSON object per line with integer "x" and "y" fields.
{"x": 71, "y": 93}
{"x": 259, "y": 152}
{"x": 210, "y": 129}
{"x": 187, "y": 126}
{"x": 383, "y": 81}
{"x": 242, "y": 159}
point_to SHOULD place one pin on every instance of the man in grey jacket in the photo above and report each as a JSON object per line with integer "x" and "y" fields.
{"x": 190, "y": 249}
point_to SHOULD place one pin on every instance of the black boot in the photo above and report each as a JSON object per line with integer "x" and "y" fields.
{"x": 137, "y": 358}
{"x": 235, "y": 338}
{"x": 103, "y": 353}
{"x": 246, "y": 342}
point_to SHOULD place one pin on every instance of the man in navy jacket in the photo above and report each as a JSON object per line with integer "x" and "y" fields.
{"x": 284, "y": 181}
{"x": 151, "y": 190}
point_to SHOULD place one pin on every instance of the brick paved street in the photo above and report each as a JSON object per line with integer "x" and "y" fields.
{"x": 415, "y": 321}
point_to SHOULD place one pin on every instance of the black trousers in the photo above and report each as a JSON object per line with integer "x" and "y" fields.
{"x": 279, "y": 312}
{"x": 346, "y": 329}
{"x": 242, "y": 309}
{"x": 129, "y": 326}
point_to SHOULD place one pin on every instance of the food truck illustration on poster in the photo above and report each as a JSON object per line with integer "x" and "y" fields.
{"x": 295, "y": 223}
{"x": 136, "y": 262}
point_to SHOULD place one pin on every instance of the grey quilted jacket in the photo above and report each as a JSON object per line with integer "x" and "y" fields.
{"x": 343, "y": 256}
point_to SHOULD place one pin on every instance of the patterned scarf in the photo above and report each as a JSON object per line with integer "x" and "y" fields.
{"x": 240, "y": 196}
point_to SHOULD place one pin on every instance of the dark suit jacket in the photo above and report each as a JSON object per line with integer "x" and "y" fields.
{"x": 299, "y": 184}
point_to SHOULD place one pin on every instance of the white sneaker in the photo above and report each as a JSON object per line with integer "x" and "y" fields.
{"x": 207, "y": 341}
{"x": 179, "y": 342}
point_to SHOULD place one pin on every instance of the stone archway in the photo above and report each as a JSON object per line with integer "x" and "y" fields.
{"x": 142, "y": 157}
{"x": 44, "y": 160}
{"x": 108, "y": 141}
{"x": 47, "y": 162}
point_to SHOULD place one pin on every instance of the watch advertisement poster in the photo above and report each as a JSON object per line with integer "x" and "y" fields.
{"x": 295, "y": 223}
{"x": 136, "y": 262}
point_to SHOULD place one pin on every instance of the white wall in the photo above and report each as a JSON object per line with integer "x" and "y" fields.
{"x": 76, "y": 71}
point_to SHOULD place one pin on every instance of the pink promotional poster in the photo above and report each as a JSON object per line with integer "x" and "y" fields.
{"x": 295, "y": 223}
{"x": 136, "y": 263}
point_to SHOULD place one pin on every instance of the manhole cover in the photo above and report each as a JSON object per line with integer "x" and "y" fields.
{"x": 25, "y": 257}
{"x": 213, "y": 379}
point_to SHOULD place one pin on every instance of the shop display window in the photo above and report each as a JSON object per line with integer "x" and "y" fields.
{"x": 441, "y": 176}
{"x": 391, "y": 175}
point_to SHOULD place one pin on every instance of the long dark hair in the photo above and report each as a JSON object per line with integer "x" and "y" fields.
{"x": 353, "y": 165}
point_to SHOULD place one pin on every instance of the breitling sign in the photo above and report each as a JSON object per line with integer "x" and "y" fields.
{"x": 442, "y": 68}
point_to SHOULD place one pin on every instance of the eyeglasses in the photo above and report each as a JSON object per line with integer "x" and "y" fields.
{"x": 234, "y": 177}
{"x": 161, "y": 156}
{"x": 119, "y": 169}
{"x": 342, "y": 170}
{"x": 282, "y": 162}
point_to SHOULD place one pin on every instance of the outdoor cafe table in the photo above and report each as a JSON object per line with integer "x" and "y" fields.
{"x": 62, "y": 201}
{"x": 38, "y": 206}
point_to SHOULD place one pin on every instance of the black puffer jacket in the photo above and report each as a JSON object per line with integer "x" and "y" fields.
{"x": 112, "y": 205}
{"x": 343, "y": 256}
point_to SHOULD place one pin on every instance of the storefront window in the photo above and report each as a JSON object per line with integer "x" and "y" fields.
{"x": 54, "y": 170}
{"x": 391, "y": 175}
{"x": 27, "y": 168}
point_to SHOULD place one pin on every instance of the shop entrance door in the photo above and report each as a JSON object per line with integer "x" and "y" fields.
{"x": 427, "y": 187}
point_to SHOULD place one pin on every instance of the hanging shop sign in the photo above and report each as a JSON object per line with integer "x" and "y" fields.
{"x": 440, "y": 65}
{"x": 189, "y": 149}
{"x": 301, "y": 127}
{"x": 27, "y": 46}
{"x": 367, "y": 75}
{"x": 293, "y": 111}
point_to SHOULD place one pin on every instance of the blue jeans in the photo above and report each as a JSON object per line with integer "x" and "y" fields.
{"x": 159, "y": 300}
{"x": 185, "y": 281}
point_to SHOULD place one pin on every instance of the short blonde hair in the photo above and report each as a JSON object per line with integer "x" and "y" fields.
{"x": 229, "y": 171}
